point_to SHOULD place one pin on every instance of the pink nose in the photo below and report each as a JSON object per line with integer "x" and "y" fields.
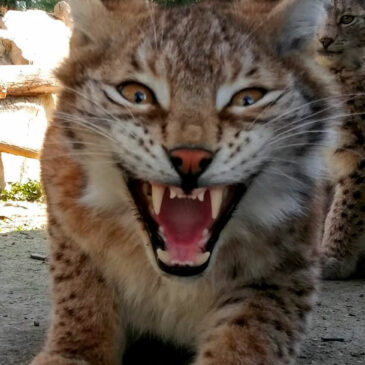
{"x": 190, "y": 161}
{"x": 326, "y": 42}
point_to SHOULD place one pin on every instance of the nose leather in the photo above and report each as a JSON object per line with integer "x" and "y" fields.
{"x": 190, "y": 161}
{"x": 326, "y": 42}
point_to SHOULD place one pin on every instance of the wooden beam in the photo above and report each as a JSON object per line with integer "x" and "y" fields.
{"x": 2, "y": 174}
{"x": 28, "y": 80}
{"x": 18, "y": 150}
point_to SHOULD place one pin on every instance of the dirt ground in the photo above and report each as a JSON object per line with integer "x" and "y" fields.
{"x": 337, "y": 336}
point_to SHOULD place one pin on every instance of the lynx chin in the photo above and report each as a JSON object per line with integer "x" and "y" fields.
{"x": 182, "y": 172}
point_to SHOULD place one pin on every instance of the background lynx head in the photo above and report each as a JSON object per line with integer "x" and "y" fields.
{"x": 343, "y": 29}
{"x": 210, "y": 116}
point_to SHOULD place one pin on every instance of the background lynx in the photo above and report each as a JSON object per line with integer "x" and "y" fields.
{"x": 181, "y": 173}
{"x": 341, "y": 48}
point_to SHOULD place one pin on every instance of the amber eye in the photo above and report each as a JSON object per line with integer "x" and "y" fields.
{"x": 347, "y": 19}
{"x": 247, "y": 97}
{"x": 137, "y": 93}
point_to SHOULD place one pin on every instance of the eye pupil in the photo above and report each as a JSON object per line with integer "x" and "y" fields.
{"x": 139, "y": 97}
{"x": 347, "y": 19}
{"x": 248, "y": 100}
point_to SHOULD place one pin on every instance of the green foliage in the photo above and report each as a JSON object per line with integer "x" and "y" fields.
{"x": 30, "y": 191}
{"x": 29, "y": 4}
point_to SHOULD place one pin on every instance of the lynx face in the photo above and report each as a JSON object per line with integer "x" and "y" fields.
{"x": 203, "y": 112}
{"x": 343, "y": 29}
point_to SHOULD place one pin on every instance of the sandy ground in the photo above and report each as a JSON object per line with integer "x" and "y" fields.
{"x": 337, "y": 336}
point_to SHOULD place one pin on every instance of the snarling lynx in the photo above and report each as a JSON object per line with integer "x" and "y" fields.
{"x": 341, "y": 48}
{"x": 181, "y": 174}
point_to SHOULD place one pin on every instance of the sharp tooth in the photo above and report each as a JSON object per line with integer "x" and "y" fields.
{"x": 157, "y": 196}
{"x": 201, "y": 259}
{"x": 163, "y": 256}
{"x": 173, "y": 193}
{"x": 216, "y": 197}
{"x": 201, "y": 195}
{"x": 184, "y": 263}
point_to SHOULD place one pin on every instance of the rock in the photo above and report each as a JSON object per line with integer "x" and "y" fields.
{"x": 37, "y": 256}
{"x": 24, "y": 33}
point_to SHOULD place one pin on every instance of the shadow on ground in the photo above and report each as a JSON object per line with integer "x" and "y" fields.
{"x": 337, "y": 336}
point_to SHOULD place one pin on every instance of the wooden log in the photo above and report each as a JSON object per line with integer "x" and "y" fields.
{"x": 26, "y": 80}
{"x": 18, "y": 150}
{"x": 2, "y": 174}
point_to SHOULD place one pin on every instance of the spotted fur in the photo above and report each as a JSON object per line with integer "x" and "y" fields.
{"x": 251, "y": 305}
{"x": 344, "y": 238}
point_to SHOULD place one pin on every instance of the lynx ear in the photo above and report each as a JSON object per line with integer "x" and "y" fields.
{"x": 88, "y": 17}
{"x": 294, "y": 23}
{"x": 94, "y": 19}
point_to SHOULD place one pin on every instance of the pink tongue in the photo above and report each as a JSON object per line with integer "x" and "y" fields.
{"x": 183, "y": 222}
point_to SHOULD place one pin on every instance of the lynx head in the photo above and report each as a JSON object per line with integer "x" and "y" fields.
{"x": 342, "y": 33}
{"x": 206, "y": 119}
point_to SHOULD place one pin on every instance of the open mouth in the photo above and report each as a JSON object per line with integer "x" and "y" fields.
{"x": 184, "y": 228}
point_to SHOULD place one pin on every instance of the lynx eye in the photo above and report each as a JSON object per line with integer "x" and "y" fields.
{"x": 247, "y": 97}
{"x": 137, "y": 93}
{"x": 347, "y": 19}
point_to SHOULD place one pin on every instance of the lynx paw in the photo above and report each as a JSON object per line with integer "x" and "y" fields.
{"x": 334, "y": 269}
{"x": 48, "y": 359}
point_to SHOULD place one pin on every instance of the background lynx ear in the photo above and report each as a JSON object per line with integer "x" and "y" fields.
{"x": 294, "y": 23}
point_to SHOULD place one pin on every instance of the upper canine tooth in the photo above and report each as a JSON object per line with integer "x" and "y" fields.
{"x": 157, "y": 196}
{"x": 216, "y": 197}
{"x": 201, "y": 195}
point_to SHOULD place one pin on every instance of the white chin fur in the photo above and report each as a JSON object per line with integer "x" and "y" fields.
{"x": 272, "y": 199}
{"x": 105, "y": 189}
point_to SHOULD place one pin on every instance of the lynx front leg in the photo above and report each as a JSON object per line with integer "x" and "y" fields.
{"x": 86, "y": 326}
{"x": 342, "y": 242}
{"x": 261, "y": 326}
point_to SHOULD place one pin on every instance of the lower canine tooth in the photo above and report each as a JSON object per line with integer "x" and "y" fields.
{"x": 163, "y": 256}
{"x": 201, "y": 196}
{"x": 202, "y": 258}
